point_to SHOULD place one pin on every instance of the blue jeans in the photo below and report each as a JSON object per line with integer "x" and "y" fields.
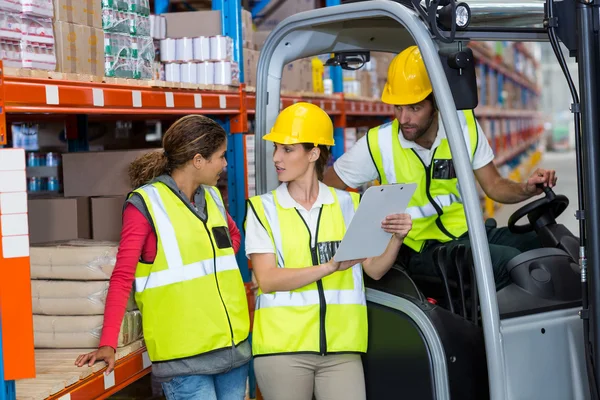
{"x": 229, "y": 385}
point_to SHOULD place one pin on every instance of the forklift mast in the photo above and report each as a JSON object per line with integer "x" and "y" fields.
{"x": 391, "y": 26}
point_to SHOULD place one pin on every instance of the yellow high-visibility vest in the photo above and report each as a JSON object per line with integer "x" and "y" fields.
{"x": 192, "y": 297}
{"x": 328, "y": 316}
{"x": 436, "y": 207}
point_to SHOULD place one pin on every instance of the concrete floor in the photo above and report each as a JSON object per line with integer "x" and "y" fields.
{"x": 565, "y": 166}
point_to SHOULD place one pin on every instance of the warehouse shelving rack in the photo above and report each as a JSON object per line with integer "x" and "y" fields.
{"x": 75, "y": 102}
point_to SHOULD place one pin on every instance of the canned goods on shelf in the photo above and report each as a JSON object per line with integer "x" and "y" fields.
{"x": 34, "y": 184}
{"x": 33, "y": 159}
{"x": 52, "y": 159}
{"x": 52, "y": 184}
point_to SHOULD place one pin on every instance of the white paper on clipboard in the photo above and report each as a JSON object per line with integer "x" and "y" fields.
{"x": 364, "y": 237}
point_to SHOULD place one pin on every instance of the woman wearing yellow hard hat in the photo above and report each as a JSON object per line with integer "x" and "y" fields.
{"x": 310, "y": 324}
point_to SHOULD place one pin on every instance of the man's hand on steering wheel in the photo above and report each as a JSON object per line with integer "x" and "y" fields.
{"x": 541, "y": 177}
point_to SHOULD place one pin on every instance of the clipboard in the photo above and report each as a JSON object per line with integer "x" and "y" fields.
{"x": 364, "y": 237}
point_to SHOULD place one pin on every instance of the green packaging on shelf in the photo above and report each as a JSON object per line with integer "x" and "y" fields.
{"x": 128, "y": 16}
{"x": 128, "y": 56}
{"x": 115, "y": 16}
{"x": 142, "y": 57}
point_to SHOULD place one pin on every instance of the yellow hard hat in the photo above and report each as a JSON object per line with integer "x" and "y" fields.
{"x": 302, "y": 123}
{"x": 407, "y": 80}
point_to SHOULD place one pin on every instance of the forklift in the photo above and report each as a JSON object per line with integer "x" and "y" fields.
{"x": 539, "y": 337}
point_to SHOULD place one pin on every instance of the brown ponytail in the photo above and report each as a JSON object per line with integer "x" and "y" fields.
{"x": 321, "y": 163}
{"x": 147, "y": 167}
{"x": 188, "y": 136}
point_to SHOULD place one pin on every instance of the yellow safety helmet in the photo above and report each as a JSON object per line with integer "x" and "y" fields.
{"x": 407, "y": 80}
{"x": 302, "y": 123}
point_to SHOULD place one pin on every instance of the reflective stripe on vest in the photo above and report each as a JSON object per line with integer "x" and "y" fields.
{"x": 191, "y": 296}
{"x": 310, "y": 297}
{"x": 177, "y": 271}
{"x": 268, "y": 201}
{"x": 428, "y": 210}
{"x": 294, "y": 321}
{"x": 436, "y": 207}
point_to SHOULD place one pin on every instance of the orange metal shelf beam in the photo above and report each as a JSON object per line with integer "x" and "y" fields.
{"x": 367, "y": 108}
{"x": 30, "y": 95}
{"x": 98, "y": 386}
{"x": 331, "y": 105}
{"x": 44, "y": 96}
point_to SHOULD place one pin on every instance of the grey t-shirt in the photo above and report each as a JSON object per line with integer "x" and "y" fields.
{"x": 215, "y": 362}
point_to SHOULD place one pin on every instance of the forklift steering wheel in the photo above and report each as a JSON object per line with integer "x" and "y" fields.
{"x": 546, "y": 208}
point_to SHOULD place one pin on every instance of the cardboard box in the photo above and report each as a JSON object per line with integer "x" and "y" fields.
{"x": 193, "y": 24}
{"x": 81, "y": 12}
{"x": 247, "y": 29}
{"x": 250, "y": 66}
{"x": 285, "y": 9}
{"x": 93, "y": 59}
{"x": 382, "y": 63}
{"x": 259, "y": 38}
{"x": 103, "y": 173}
{"x": 364, "y": 77}
{"x": 107, "y": 213}
{"x": 291, "y": 78}
{"x": 69, "y": 47}
{"x": 306, "y": 75}
{"x": 79, "y": 49}
{"x": 58, "y": 218}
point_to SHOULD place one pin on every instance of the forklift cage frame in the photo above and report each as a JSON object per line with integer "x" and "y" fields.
{"x": 387, "y": 26}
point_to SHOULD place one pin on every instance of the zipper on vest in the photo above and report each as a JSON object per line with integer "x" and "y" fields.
{"x": 217, "y": 281}
{"x": 438, "y": 209}
{"x": 322, "y": 304}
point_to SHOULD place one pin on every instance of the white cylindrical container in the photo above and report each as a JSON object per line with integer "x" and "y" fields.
{"x": 153, "y": 26}
{"x": 328, "y": 86}
{"x": 223, "y": 73}
{"x": 162, "y": 31}
{"x": 168, "y": 50}
{"x": 221, "y": 48}
{"x": 173, "y": 72}
{"x": 202, "y": 48}
{"x": 185, "y": 49}
{"x": 206, "y": 73}
{"x": 189, "y": 72}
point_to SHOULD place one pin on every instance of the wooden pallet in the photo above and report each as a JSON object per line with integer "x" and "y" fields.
{"x": 56, "y": 370}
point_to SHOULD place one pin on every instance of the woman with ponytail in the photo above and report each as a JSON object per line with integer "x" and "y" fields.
{"x": 178, "y": 246}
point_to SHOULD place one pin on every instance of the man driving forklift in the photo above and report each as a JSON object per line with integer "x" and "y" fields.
{"x": 413, "y": 149}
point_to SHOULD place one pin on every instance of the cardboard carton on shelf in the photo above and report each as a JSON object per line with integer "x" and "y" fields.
{"x": 58, "y": 218}
{"x": 80, "y": 12}
{"x": 247, "y": 29}
{"x": 79, "y": 49}
{"x": 107, "y": 217}
{"x": 193, "y": 23}
{"x": 283, "y": 10}
{"x": 103, "y": 173}
{"x": 297, "y": 76}
{"x": 250, "y": 66}
{"x": 259, "y": 38}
